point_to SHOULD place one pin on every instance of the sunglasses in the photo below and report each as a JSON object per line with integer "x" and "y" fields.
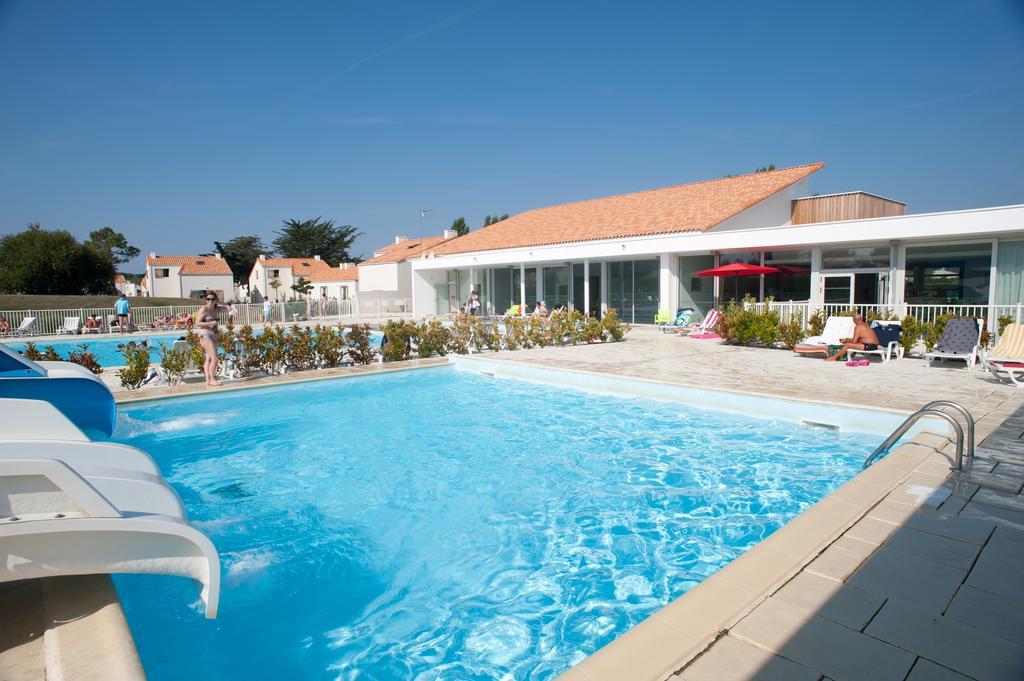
{"x": 212, "y": 299}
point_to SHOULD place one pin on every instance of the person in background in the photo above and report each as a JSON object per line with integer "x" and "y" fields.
{"x": 864, "y": 338}
{"x": 323, "y": 305}
{"x": 540, "y": 310}
{"x": 266, "y": 310}
{"x": 123, "y": 308}
{"x": 5, "y": 326}
{"x": 473, "y": 306}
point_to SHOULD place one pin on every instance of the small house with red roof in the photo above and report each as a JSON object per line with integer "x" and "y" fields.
{"x": 188, "y": 276}
{"x": 274, "y": 278}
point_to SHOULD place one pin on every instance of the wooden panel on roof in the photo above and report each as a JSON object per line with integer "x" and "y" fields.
{"x": 848, "y": 206}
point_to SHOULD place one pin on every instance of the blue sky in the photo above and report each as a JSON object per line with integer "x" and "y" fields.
{"x": 181, "y": 123}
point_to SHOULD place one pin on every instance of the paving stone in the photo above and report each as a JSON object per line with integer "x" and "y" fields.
{"x": 994, "y": 574}
{"x": 841, "y": 559}
{"x": 730, "y": 658}
{"x": 995, "y": 614}
{"x": 895, "y": 574}
{"x": 1007, "y": 546}
{"x": 847, "y": 605}
{"x": 991, "y": 497}
{"x": 22, "y": 659}
{"x": 1000, "y": 516}
{"x": 952, "y": 526}
{"x": 926, "y": 670}
{"x": 872, "y": 530}
{"x": 1004, "y": 483}
{"x": 822, "y": 645}
{"x": 948, "y": 642}
{"x": 942, "y": 550}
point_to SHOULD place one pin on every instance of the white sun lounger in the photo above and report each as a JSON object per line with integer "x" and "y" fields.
{"x": 835, "y": 329}
{"x": 26, "y": 328}
{"x": 71, "y": 325}
{"x": 75, "y": 507}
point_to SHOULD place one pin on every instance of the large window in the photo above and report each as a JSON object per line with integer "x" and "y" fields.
{"x": 855, "y": 258}
{"x": 503, "y": 294}
{"x": 556, "y": 287}
{"x": 793, "y": 281}
{"x": 696, "y": 292}
{"x": 633, "y": 290}
{"x": 951, "y": 273}
{"x": 1010, "y": 287}
{"x": 738, "y": 287}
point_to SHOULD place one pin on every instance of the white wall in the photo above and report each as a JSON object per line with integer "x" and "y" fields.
{"x": 222, "y": 283}
{"x": 773, "y": 211}
{"x": 258, "y": 282}
{"x": 168, "y": 287}
{"x": 422, "y": 286}
{"x": 381, "y": 277}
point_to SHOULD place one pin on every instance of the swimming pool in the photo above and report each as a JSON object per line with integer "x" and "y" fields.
{"x": 106, "y": 350}
{"x": 439, "y": 523}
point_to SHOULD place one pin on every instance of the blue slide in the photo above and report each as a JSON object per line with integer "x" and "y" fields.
{"x": 74, "y": 390}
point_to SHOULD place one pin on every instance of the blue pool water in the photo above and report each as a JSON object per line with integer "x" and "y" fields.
{"x": 438, "y": 524}
{"x": 107, "y": 352}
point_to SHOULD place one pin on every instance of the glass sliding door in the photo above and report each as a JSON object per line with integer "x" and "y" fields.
{"x": 949, "y": 273}
{"x": 633, "y": 290}
{"x": 556, "y": 287}
{"x": 838, "y": 289}
{"x": 503, "y": 295}
{"x": 577, "y": 286}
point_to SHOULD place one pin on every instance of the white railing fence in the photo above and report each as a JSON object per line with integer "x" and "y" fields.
{"x": 926, "y": 313}
{"x": 50, "y": 321}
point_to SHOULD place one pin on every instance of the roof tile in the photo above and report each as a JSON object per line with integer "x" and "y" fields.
{"x": 191, "y": 264}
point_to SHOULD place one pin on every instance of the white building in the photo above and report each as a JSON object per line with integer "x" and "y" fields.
{"x": 122, "y": 285}
{"x": 338, "y": 283}
{"x": 385, "y": 280}
{"x": 274, "y": 277}
{"x": 639, "y": 252}
{"x": 188, "y": 276}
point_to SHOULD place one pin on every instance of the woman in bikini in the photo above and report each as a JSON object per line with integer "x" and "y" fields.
{"x": 206, "y": 327}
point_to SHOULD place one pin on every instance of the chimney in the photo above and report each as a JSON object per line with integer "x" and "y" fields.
{"x": 400, "y": 239}
{"x": 219, "y": 256}
{"x": 262, "y": 256}
{"x": 152, "y": 254}
{"x": 449, "y": 234}
{"x": 316, "y": 257}
{"x": 345, "y": 265}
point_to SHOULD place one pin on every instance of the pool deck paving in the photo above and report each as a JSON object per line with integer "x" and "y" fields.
{"x": 907, "y": 572}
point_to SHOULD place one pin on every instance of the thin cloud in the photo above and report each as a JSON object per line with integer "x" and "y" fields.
{"x": 412, "y": 37}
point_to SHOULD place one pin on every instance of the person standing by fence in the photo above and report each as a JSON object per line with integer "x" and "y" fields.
{"x": 123, "y": 308}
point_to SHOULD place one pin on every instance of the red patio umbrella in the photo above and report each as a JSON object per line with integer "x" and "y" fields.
{"x": 737, "y": 269}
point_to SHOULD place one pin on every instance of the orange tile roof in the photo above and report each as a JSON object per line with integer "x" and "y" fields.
{"x": 403, "y": 250}
{"x": 301, "y": 267}
{"x": 694, "y": 207}
{"x": 192, "y": 264}
{"x": 337, "y": 274}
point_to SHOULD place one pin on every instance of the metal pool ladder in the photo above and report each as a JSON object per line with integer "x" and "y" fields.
{"x": 934, "y": 409}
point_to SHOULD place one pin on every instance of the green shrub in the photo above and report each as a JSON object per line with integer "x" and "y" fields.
{"x": 432, "y": 339}
{"x": 883, "y": 315}
{"x": 174, "y": 362}
{"x": 614, "y": 328}
{"x": 273, "y": 350}
{"x": 461, "y": 337}
{"x": 397, "y": 334}
{"x": 330, "y": 347}
{"x": 86, "y": 359}
{"x": 910, "y": 332}
{"x": 50, "y": 355}
{"x": 562, "y": 325}
{"x": 1004, "y": 321}
{"x": 300, "y": 351}
{"x": 816, "y": 323}
{"x": 195, "y": 348}
{"x": 246, "y": 354}
{"x": 136, "y": 366}
{"x": 360, "y": 346}
{"x": 515, "y": 333}
{"x": 791, "y": 329}
{"x": 484, "y": 336}
{"x": 591, "y": 330}
{"x": 766, "y": 327}
{"x": 32, "y": 352}
{"x": 538, "y": 332}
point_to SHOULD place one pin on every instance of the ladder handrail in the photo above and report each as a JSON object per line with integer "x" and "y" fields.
{"x": 967, "y": 417}
{"x": 910, "y": 421}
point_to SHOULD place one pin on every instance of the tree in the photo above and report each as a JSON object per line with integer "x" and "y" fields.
{"x": 112, "y": 243}
{"x": 51, "y": 262}
{"x": 302, "y": 287}
{"x": 240, "y": 254}
{"x": 316, "y": 237}
{"x": 275, "y": 284}
{"x": 494, "y": 219}
{"x": 460, "y": 227}
{"x": 765, "y": 169}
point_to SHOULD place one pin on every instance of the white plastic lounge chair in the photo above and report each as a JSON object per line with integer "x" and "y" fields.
{"x": 705, "y": 327}
{"x": 74, "y": 390}
{"x": 1007, "y": 357}
{"x": 889, "y": 341}
{"x": 71, "y": 325}
{"x": 681, "y": 321}
{"x": 26, "y": 328}
{"x": 959, "y": 341}
{"x": 74, "y": 507}
{"x": 835, "y": 329}
{"x": 190, "y": 366}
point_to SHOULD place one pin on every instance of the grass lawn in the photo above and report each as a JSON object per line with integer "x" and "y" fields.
{"x": 13, "y": 302}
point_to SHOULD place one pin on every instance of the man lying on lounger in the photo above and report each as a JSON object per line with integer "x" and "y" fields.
{"x": 864, "y": 338}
